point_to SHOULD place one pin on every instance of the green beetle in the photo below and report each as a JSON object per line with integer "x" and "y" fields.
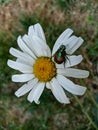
{"x": 61, "y": 56}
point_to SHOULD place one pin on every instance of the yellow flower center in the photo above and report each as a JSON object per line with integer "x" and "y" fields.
{"x": 44, "y": 69}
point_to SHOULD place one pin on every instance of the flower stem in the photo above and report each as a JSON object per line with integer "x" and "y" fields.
{"x": 86, "y": 114}
{"x": 92, "y": 98}
{"x": 90, "y": 95}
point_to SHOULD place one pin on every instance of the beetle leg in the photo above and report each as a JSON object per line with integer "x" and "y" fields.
{"x": 64, "y": 63}
{"x": 68, "y": 60}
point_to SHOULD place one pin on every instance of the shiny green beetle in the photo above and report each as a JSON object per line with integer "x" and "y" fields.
{"x": 61, "y": 56}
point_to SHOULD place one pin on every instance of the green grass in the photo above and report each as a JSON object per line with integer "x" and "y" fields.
{"x": 65, "y": 4}
{"x": 18, "y": 113}
{"x": 4, "y": 2}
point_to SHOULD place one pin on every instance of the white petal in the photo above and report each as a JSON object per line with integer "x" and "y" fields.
{"x": 36, "y": 92}
{"x": 41, "y": 45}
{"x": 31, "y": 31}
{"x": 70, "y": 61}
{"x": 29, "y": 42}
{"x": 36, "y": 30}
{"x": 58, "y": 92}
{"x": 62, "y": 38}
{"x": 15, "y": 52}
{"x": 60, "y": 65}
{"x": 41, "y": 48}
{"x": 48, "y": 85}
{"x": 65, "y": 35}
{"x": 39, "y": 31}
{"x": 26, "y": 61}
{"x": 37, "y": 46}
{"x": 26, "y": 88}
{"x": 22, "y": 61}
{"x": 24, "y": 47}
{"x": 22, "y": 77}
{"x": 70, "y": 86}
{"x": 74, "y": 45}
{"x": 76, "y": 73}
{"x": 71, "y": 39}
{"x": 19, "y": 66}
{"x": 73, "y": 60}
{"x": 22, "y": 56}
{"x": 40, "y": 42}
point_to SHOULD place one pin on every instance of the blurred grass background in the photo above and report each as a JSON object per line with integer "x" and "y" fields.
{"x": 54, "y": 16}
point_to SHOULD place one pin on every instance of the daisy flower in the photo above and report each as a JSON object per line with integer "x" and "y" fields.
{"x": 38, "y": 69}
